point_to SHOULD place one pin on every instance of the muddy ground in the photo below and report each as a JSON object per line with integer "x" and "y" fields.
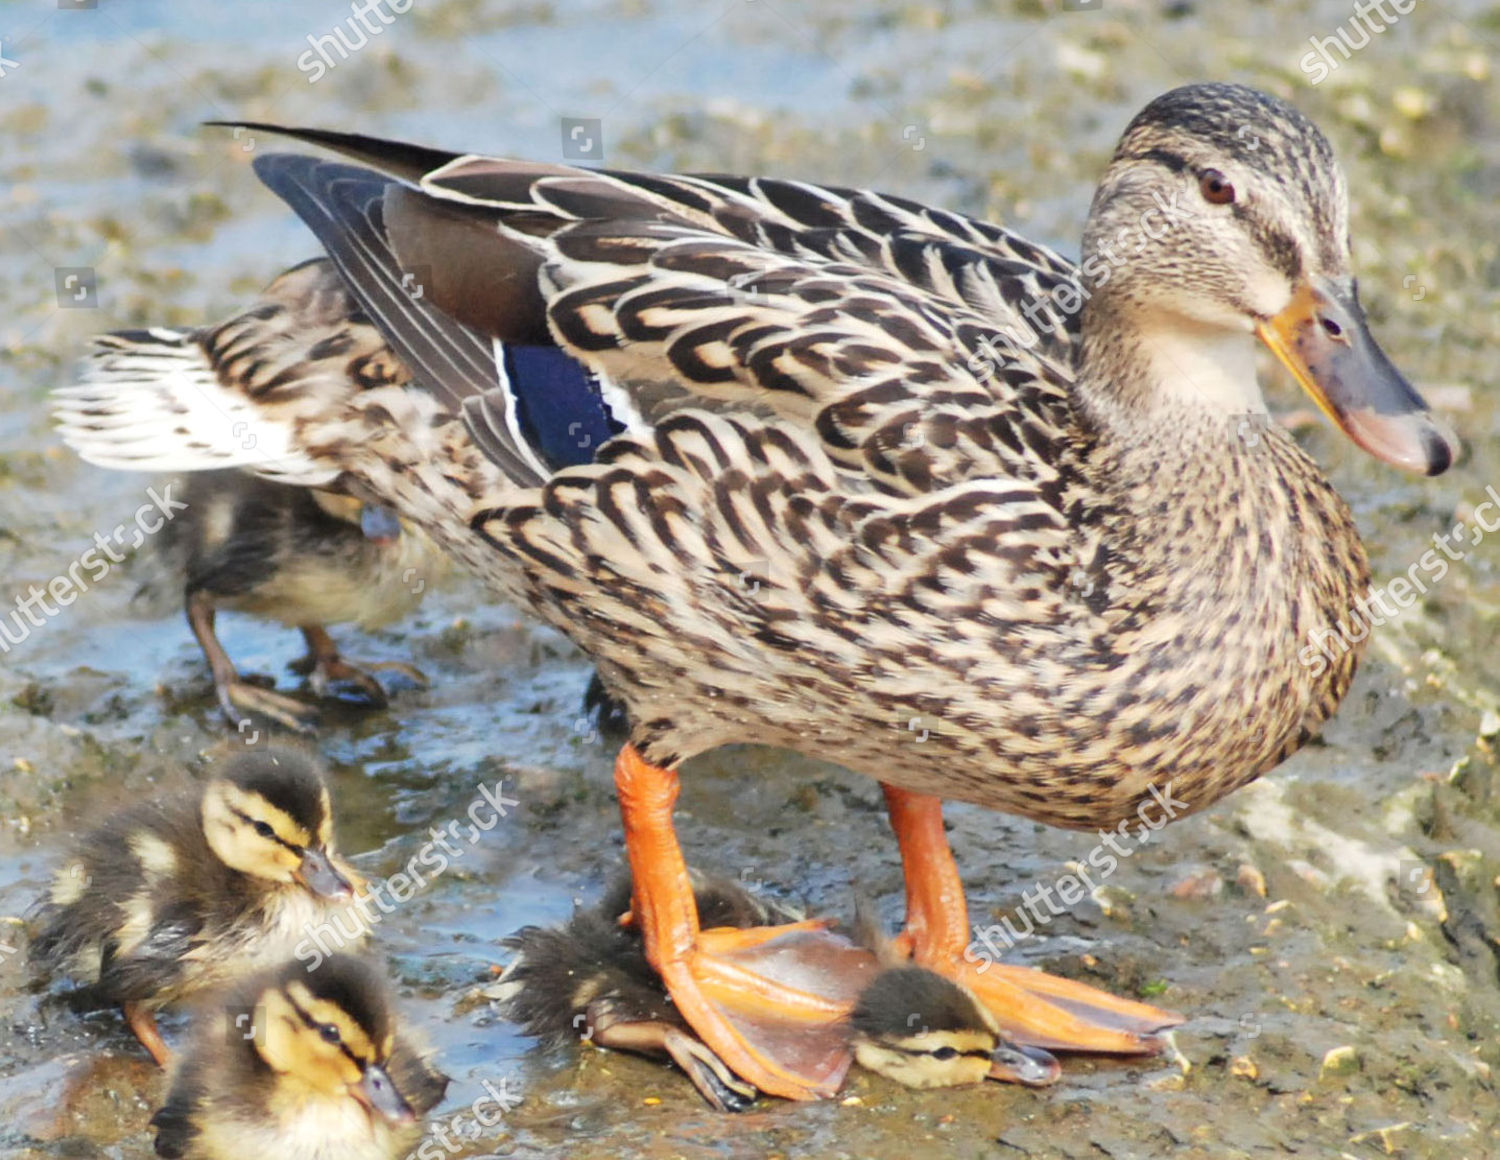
{"x": 1331, "y": 930}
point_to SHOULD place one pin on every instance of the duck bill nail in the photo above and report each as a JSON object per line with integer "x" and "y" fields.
{"x": 318, "y": 874}
{"x": 379, "y": 524}
{"x": 1322, "y": 337}
{"x": 376, "y": 1091}
{"x": 1024, "y": 1065}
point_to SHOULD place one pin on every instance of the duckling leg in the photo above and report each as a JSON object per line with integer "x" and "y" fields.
{"x": 142, "y": 1020}
{"x": 724, "y": 1090}
{"x": 238, "y": 697}
{"x": 1032, "y": 1007}
{"x": 332, "y": 676}
{"x": 768, "y": 1001}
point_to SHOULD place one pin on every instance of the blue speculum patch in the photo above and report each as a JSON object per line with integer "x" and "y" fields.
{"x": 559, "y": 408}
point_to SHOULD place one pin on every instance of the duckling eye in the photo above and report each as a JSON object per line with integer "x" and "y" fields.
{"x": 329, "y": 1032}
{"x": 945, "y": 1053}
{"x": 264, "y": 830}
{"x": 1214, "y": 188}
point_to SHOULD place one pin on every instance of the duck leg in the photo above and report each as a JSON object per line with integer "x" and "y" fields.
{"x": 142, "y": 1021}
{"x": 1032, "y": 1007}
{"x": 332, "y": 676}
{"x": 768, "y": 1001}
{"x": 238, "y": 697}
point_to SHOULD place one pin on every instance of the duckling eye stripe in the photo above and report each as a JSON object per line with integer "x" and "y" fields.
{"x": 314, "y": 1025}
{"x": 275, "y": 837}
{"x": 972, "y": 1053}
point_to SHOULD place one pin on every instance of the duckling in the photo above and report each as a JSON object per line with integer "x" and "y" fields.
{"x": 923, "y": 1030}
{"x": 299, "y": 1065}
{"x": 194, "y": 890}
{"x": 589, "y": 979}
{"x": 306, "y": 557}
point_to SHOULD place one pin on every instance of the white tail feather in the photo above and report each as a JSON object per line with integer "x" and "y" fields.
{"x": 150, "y": 401}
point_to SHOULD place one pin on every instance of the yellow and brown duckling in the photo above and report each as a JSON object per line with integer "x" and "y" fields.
{"x": 305, "y": 557}
{"x": 194, "y": 890}
{"x": 923, "y": 1030}
{"x": 299, "y": 1065}
{"x": 589, "y": 979}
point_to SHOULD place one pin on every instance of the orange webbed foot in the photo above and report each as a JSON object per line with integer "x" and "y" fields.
{"x": 770, "y": 1001}
{"x": 1032, "y": 1008}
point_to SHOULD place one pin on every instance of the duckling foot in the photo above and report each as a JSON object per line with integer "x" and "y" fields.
{"x": 1033, "y": 1008}
{"x": 142, "y": 1021}
{"x": 724, "y": 1090}
{"x": 333, "y": 677}
{"x": 769, "y": 1002}
{"x": 238, "y": 698}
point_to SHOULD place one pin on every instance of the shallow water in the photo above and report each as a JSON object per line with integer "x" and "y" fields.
{"x": 1004, "y": 109}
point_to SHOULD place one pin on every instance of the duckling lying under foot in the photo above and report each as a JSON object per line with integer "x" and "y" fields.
{"x": 194, "y": 890}
{"x": 299, "y": 1065}
{"x": 923, "y": 1030}
{"x": 589, "y": 979}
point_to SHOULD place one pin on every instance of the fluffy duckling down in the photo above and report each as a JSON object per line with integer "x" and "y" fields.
{"x": 197, "y": 888}
{"x": 292, "y": 1064}
{"x": 302, "y": 556}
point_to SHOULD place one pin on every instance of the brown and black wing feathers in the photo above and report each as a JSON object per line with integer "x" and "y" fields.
{"x": 344, "y": 206}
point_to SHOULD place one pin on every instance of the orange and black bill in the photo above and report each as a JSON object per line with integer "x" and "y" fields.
{"x": 1322, "y": 337}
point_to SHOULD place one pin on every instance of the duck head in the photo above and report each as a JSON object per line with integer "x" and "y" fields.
{"x": 1224, "y": 215}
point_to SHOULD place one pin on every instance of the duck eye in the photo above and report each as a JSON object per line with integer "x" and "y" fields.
{"x": 1215, "y": 188}
{"x": 945, "y": 1053}
{"x": 329, "y": 1032}
{"x": 264, "y": 830}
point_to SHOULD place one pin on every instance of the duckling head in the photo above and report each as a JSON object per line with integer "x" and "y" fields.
{"x": 380, "y": 524}
{"x": 267, "y": 814}
{"x": 922, "y": 1030}
{"x": 330, "y": 1033}
{"x": 1223, "y": 215}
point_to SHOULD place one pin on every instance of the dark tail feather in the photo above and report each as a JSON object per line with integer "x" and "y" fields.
{"x": 397, "y": 158}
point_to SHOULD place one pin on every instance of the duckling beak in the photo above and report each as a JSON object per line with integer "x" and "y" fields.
{"x": 319, "y": 875}
{"x": 1322, "y": 337}
{"x": 378, "y": 1093}
{"x": 380, "y": 524}
{"x": 1031, "y": 1066}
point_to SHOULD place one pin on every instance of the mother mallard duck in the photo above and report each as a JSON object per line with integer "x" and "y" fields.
{"x": 839, "y": 472}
